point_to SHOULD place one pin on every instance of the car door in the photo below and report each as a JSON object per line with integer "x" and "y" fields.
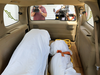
{"x": 85, "y": 38}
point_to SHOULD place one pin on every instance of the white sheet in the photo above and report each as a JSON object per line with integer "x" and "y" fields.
{"x": 31, "y": 55}
{"x": 61, "y": 65}
{"x": 59, "y": 45}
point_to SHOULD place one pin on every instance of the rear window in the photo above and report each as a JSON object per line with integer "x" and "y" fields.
{"x": 10, "y": 14}
{"x": 50, "y": 10}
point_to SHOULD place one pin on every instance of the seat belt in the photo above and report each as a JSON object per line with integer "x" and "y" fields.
{"x": 80, "y": 20}
{"x": 96, "y": 45}
{"x": 79, "y": 24}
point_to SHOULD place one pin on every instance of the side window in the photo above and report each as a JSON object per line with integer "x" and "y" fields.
{"x": 89, "y": 15}
{"x": 10, "y": 14}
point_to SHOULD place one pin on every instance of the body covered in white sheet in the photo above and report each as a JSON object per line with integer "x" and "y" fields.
{"x": 61, "y": 65}
{"x": 31, "y": 55}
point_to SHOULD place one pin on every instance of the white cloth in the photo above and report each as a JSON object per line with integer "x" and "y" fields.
{"x": 31, "y": 55}
{"x": 59, "y": 45}
{"x": 61, "y": 65}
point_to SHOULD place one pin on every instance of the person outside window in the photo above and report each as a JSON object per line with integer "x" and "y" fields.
{"x": 59, "y": 7}
{"x": 39, "y": 15}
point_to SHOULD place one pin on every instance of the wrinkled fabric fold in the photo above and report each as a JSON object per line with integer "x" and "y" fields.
{"x": 30, "y": 57}
{"x": 61, "y": 64}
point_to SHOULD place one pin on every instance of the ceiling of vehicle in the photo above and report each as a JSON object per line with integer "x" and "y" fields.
{"x": 38, "y": 2}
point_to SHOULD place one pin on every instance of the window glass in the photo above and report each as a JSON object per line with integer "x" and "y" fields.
{"x": 50, "y": 11}
{"x": 10, "y": 14}
{"x": 89, "y": 15}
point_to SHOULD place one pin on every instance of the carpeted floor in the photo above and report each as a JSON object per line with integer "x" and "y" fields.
{"x": 76, "y": 59}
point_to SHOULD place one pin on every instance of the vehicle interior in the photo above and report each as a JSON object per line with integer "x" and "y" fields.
{"x": 81, "y": 32}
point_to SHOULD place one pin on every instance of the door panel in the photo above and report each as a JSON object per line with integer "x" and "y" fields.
{"x": 8, "y": 43}
{"x": 86, "y": 49}
{"x": 57, "y": 29}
